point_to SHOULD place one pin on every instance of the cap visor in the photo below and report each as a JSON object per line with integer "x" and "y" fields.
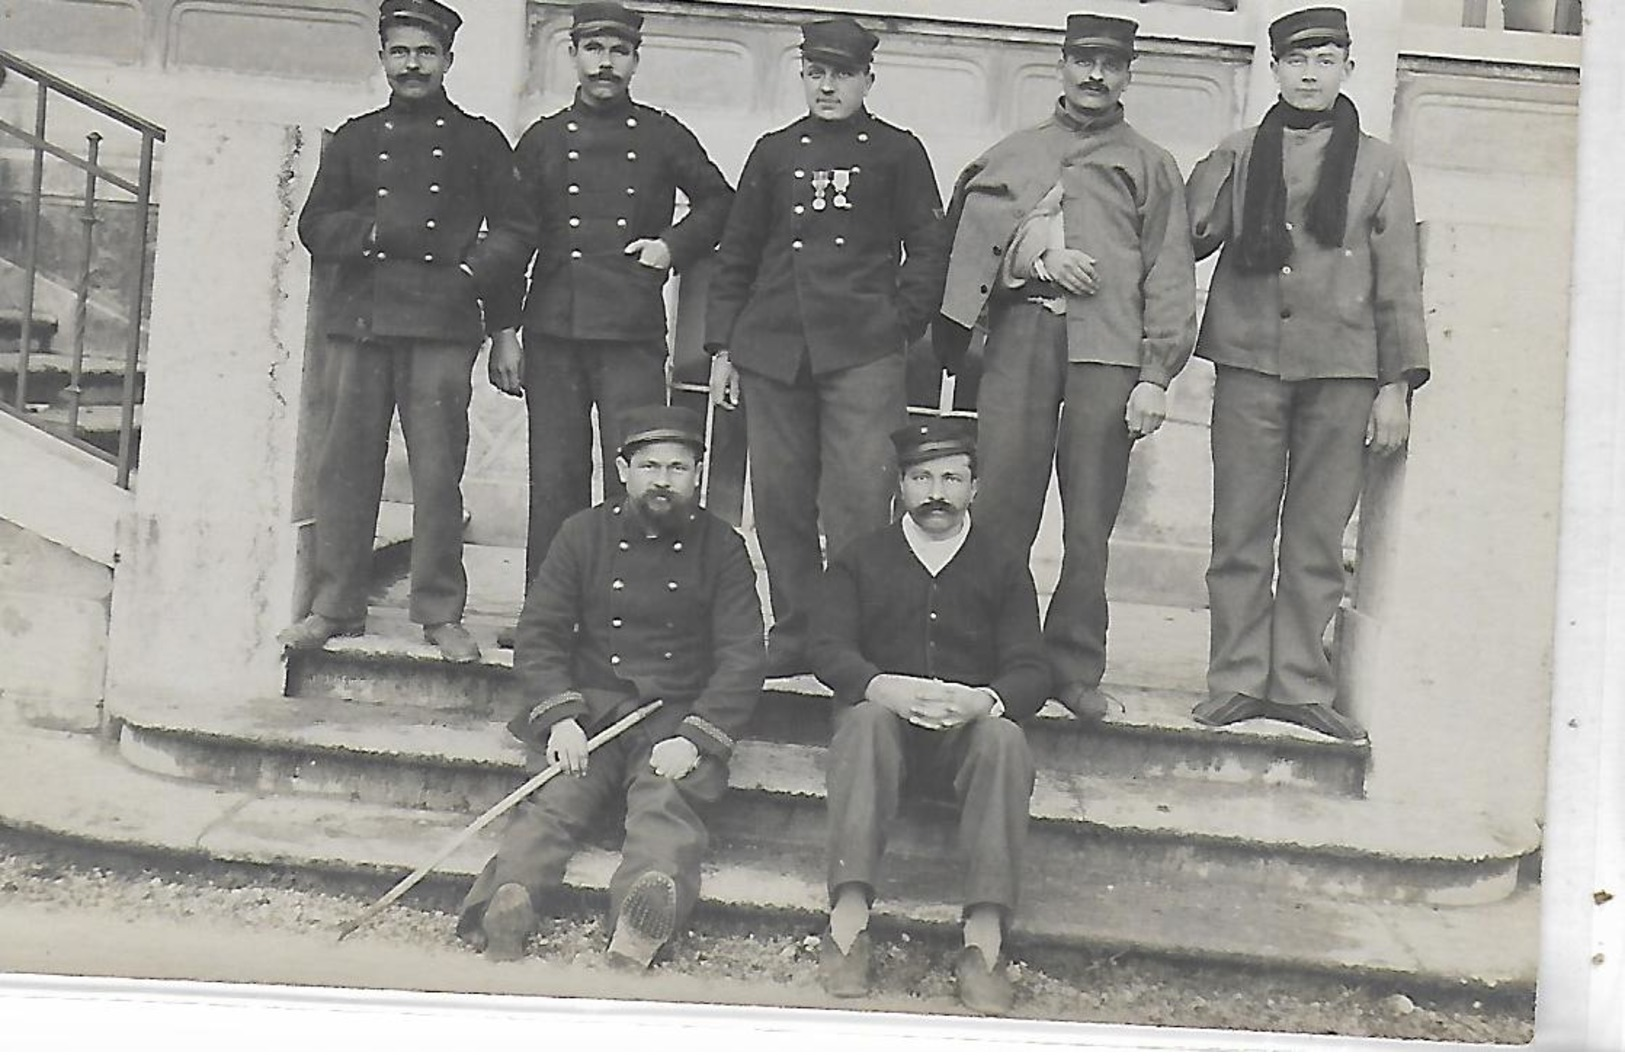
{"x": 838, "y": 59}
{"x": 611, "y": 29}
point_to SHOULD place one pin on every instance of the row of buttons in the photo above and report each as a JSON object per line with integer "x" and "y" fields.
{"x": 573, "y": 126}
{"x": 620, "y": 584}
{"x": 383, "y": 192}
{"x": 439, "y": 122}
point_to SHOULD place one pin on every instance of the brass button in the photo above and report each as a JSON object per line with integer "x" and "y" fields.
{"x": 621, "y": 222}
{"x": 429, "y": 224}
{"x": 840, "y": 241}
{"x": 574, "y": 188}
{"x": 625, "y": 545}
{"x": 389, "y": 126}
{"x": 806, "y": 140}
{"x": 616, "y": 622}
{"x": 437, "y": 152}
{"x": 434, "y": 188}
{"x": 383, "y": 156}
{"x": 796, "y": 244}
{"x": 863, "y": 137}
{"x": 619, "y": 584}
{"x": 573, "y": 154}
{"x": 615, "y": 659}
{"x": 575, "y": 254}
{"x": 631, "y": 122}
{"x": 801, "y": 173}
{"x": 575, "y": 221}
{"x": 383, "y": 192}
{"x": 440, "y": 122}
{"x": 572, "y": 126}
{"x": 428, "y": 258}
{"x": 799, "y": 209}
{"x": 672, "y": 585}
{"x": 678, "y": 546}
{"x": 631, "y": 155}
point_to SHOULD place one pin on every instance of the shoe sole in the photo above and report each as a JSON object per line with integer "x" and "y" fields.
{"x": 508, "y": 923}
{"x": 446, "y": 653}
{"x": 1236, "y": 709}
{"x": 997, "y": 1005}
{"x": 647, "y": 920}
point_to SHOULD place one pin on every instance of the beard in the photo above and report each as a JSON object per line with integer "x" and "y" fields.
{"x": 668, "y": 515}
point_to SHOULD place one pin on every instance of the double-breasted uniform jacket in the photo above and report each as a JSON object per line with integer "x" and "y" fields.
{"x": 1123, "y": 203}
{"x": 397, "y": 207}
{"x": 597, "y": 178}
{"x": 616, "y": 617}
{"x": 832, "y": 255}
{"x": 879, "y": 611}
{"x": 1348, "y": 311}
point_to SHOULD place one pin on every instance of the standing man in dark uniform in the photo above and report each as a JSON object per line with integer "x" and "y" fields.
{"x": 927, "y": 631}
{"x": 830, "y": 265}
{"x": 1068, "y": 240}
{"x": 396, "y": 208}
{"x": 602, "y": 176}
{"x": 646, "y": 598}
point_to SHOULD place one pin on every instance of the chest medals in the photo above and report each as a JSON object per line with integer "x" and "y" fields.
{"x": 832, "y": 189}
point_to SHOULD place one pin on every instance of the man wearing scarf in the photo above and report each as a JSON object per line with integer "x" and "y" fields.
{"x": 411, "y": 289}
{"x": 1314, "y": 326}
{"x": 1071, "y": 247}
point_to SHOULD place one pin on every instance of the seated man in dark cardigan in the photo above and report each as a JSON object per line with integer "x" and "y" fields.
{"x": 928, "y": 634}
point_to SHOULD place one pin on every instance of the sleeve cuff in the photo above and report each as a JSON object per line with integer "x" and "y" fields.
{"x": 997, "y": 710}
{"x": 532, "y": 724}
{"x": 706, "y": 735}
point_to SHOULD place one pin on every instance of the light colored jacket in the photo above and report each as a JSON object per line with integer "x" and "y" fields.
{"x": 1349, "y": 311}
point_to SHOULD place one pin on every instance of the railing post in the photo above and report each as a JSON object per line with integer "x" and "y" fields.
{"x": 132, "y": 355}
{"x": 82, "y": 295}
{"x": 31, "y": 263}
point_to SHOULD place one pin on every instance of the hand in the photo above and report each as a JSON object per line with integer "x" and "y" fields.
{"x": 567, "y": 747}
{"x": 927, "y": 702}
{"x": 651, "y": 253}
{"x": 506, "y": 363}
{"x": 1147, "y": 410}
{"x": 674, "y": 757}
{"x": 1390, "y": 424}
{"x": 1072, "y": 270}
{"x": 724, "y": 382}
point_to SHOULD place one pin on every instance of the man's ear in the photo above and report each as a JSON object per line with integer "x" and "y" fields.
{"x": 622, "y": 467}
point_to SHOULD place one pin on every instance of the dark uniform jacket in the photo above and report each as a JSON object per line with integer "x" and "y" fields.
{"x": 597, "y": 178}
{"x": 1348, "y": 311}
{"x": 397, "y": 206}
{"x": 833, "y": 252}
{"x": 1122, "y": 202}
{"x": 976, "y": 622}
{"x": 616, "y": 618}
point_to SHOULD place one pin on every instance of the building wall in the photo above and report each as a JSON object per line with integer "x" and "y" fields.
{"x": 54, "y": 608}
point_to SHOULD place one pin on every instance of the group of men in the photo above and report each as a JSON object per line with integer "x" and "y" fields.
{"x": 1072, "y": 244}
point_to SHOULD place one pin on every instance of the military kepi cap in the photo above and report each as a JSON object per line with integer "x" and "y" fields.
{"x": 605, "y": 16}
{"x": 431, "y": 15}
{"x": 1100, "y": 31}
{"x": 1309, "y": 28}
{"x": 933, "y": 438}
{"x": 657, "y": 423}
{"x": 838, "y": 41}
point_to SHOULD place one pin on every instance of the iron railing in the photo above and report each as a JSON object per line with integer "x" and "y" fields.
{"x": 98, "y": 178}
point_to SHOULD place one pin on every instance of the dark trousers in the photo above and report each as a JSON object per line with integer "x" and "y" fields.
{"x": 987, "y": 766}
{"x": 564, "y": 378}
{"x": 1288, "y": 463}
{"x": 429, "y": 382}
{"x": 1036, "y": 409}
{"x": 820, "y": 454}
{"x": 665, "y": 828}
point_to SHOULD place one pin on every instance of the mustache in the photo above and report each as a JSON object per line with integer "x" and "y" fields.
{"x": 608, "y": 78}
{"x": 934, "y": 506}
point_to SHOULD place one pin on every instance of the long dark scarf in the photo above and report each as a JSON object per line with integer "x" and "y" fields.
{"x": 1265, "y": 243}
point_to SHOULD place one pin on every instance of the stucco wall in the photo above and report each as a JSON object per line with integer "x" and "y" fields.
{"x": 53, "y": 631}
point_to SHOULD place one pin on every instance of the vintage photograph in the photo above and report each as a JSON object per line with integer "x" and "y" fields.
{"x": 1033, "y": 509}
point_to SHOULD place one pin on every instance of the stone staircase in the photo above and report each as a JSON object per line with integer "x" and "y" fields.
{"x": 1151, "y": 834}
{"x": 101, "y": 385}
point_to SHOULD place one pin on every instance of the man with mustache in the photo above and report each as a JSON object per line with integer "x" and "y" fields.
{"x": 1315, "y": 328}
{"x": 1070, "y": 246}
{"x": 829, "y": 267}
{"x": 412, "y": 288}
{"x": 642, "y": 598}
{"x": 927, "y": 631}
{"x": 602, "y": 175}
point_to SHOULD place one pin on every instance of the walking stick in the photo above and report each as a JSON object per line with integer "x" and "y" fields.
{"x": 710, "y": 427}
{"x": 502, "y": 807}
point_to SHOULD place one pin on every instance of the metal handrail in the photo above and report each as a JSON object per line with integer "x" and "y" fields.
{"x": 47, "y": 85}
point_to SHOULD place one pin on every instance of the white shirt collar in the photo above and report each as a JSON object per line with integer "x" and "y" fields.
{"x": 934, "y": 554}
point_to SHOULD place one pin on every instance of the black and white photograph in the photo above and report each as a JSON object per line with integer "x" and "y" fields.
{"x": 978, "y": 515}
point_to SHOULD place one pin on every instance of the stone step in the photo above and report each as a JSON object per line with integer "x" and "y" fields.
{"x": 72, "y": 787}
{"x": 1154, "y": 737}
{"x": 101, "y": 378}
{"x": 41, "y": 332}
{"x": 1149, "y": 828}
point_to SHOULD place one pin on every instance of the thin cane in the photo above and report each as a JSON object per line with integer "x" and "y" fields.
{"x": 710, "y": 424}
{"x": 507, "y": 802}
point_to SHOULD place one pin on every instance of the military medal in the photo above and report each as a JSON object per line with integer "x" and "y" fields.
{"x": 820, "y": 184}
{"x": 843, "y": 182}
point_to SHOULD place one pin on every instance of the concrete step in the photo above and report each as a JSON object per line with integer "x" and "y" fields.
{"x": 75, "y": 788}
{"x": 101, "y": 378}
{"x": 41, "y": 332}
{"x": 1151, "y": 828}
{"x": 1154, "y": 737}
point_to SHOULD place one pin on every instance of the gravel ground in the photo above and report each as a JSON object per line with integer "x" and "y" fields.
{"x": 258, "y": 911}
